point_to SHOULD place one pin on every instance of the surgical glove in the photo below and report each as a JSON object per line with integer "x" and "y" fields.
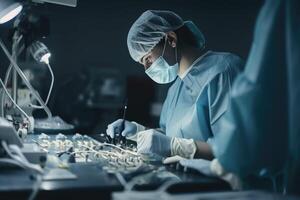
{"x": 185, "y": 148}
{"x": 152, "y": 142}
{"x": 234, "y": 180}
{"x": 130, "y": 129}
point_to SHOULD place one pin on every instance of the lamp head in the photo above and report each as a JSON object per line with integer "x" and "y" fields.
{"x": 8, "y": 10}
{"x": 40, "y": 52}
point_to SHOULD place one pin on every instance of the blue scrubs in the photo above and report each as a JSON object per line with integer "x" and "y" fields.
{"x": 261, "y": 136}
{"x": 195, "y": 103}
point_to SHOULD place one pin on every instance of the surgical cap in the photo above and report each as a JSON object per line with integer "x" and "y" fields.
{"x": 147, "y": 31}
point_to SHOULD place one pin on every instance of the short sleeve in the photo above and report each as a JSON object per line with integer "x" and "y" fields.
{"x": 219, "y": 89}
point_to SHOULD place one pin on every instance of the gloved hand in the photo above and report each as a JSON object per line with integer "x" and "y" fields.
{"x": 130, "y": 129}
{"x": 154, "y": 142}
{"x": 233, "y": 179}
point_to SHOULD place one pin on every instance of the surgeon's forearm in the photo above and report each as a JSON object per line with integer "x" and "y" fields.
{"x": 203, "y": 151}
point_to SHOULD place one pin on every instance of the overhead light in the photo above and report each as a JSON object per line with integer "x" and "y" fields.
{"x": 8, "y": 10}
{"x": 72, "y": 3}
{"x": 40, "y": 52}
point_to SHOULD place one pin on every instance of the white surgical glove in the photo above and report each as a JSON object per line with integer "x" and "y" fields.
{"x": 185, "y": 148}
{"x": 154, "y": 142}
{"x": 233, "y": 179}
{"x": 130, "y": 129}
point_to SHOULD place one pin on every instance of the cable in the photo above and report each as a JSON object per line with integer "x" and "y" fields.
{"x": 39, "y": 178}
{"x": 7, "y": 74}
{"x": 119, "y": 159}
{"x": 9, "y": 96}
{"x": 27, "y": 83}
{"x": 121, "y": 179}
{"x": 11, "y": 162}
{"x": 112, "y": 153}
{"x": 5, "y": 82}
{"x": 126, "y": 151}
{"x": 50, "y": 89}
{"x": 36, "y": 187}
{"x": 101, "y": 151}
{"x": 128, "y": 186}
{"x": 18, "y": 159}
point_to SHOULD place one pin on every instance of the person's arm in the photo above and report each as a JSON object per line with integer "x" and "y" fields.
{"x": 219, "y": 90}
{"x": 154, "y": 142}
{"x": 203, "y": 150}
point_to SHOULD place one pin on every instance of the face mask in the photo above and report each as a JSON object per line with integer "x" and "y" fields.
{"x": 160, "y": 71}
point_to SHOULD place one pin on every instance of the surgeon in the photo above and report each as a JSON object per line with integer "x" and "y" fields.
{"x": 261, "y": 143}
{"x": 173, "y": 50}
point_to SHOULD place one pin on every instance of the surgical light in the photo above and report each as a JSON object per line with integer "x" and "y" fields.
{"x": 40, "y": 52}
{"x": 8, "y": 10}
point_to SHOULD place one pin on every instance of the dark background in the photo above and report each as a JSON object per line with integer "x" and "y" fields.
{"x": 89, "y": 42}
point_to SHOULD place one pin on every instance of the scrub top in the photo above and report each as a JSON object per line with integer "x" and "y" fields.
{"x": 197, "y": 101}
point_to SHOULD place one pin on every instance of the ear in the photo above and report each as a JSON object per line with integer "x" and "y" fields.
{"x": 172, "y": 39}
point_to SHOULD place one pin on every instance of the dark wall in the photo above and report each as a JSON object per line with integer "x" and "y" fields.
{"x": 94, "y": 33}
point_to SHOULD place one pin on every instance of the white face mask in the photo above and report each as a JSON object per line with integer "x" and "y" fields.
{"x": 160, "y": 71}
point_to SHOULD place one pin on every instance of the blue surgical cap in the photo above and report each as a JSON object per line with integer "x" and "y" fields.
{"x": 147, "y": 31}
